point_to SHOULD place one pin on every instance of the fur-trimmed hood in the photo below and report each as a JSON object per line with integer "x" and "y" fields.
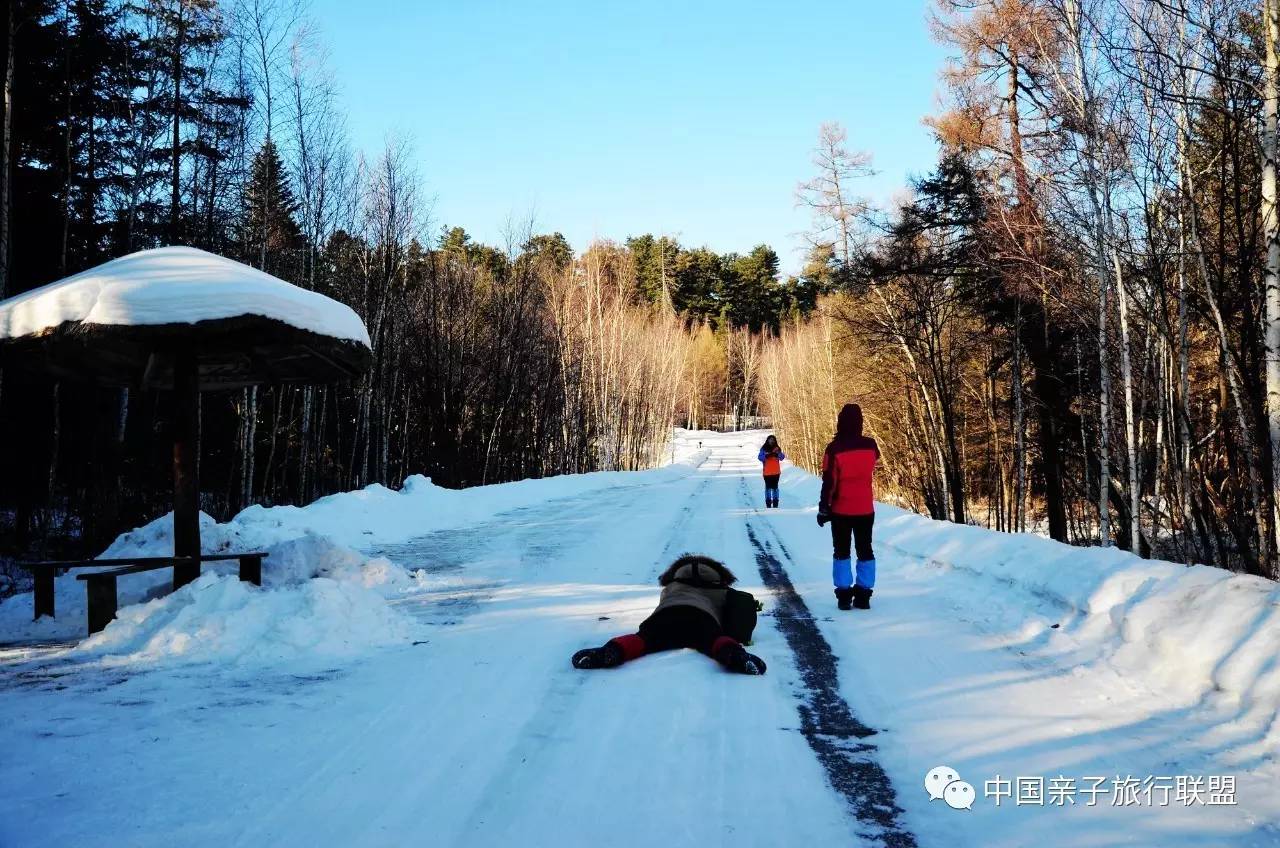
{"x": 697, "y": 569}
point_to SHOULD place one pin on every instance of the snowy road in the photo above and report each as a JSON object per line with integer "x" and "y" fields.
{"x": 479, "y": 733}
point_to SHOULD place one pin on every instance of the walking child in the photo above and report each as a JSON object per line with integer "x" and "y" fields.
{"x": 690, "y": 614}
{"x": 771, "y": 455}
{"x": 847, "y": 502}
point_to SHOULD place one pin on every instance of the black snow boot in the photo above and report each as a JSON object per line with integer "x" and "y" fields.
{"x": 844, "y": 598}
{"x": 861, "y": 598}
{"x": 608, "y": 655}
{"x": 735, "y": 658}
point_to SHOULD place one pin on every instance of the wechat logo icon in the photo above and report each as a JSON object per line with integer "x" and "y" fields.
{"x": 944, "y": 783}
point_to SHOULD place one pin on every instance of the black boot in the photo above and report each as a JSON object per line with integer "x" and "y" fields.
{"x": 844, "y": 598}
{"x": 735, "y": 658}
{"x": 608, "y": 655}
{"x": 861, "y": 597}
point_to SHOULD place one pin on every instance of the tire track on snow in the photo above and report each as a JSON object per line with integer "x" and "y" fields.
{"x": 836, "y": 736}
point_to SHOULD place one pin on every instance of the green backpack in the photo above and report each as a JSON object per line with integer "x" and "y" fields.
{"x": 740, "y": 610}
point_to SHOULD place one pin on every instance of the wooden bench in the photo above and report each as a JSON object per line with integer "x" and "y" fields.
{"x": 101, "y": 585}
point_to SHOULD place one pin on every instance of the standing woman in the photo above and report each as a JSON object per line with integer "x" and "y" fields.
{"x": 847, "y": 502}
{"x": 771, "y": 455}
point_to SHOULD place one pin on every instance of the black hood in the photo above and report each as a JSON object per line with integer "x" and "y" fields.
{"x": 849, "y": 424}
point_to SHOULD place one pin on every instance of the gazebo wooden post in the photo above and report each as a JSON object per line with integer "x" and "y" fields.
{"x": 186, "y": 461}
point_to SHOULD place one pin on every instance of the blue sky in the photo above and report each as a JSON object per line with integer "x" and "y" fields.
{"x": 611, "y": 119}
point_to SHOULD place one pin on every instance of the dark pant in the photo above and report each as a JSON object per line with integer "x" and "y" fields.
{"x": 843, "y": 527}
{"x": 771, "y": 483}
{"x": 680, "y": 626}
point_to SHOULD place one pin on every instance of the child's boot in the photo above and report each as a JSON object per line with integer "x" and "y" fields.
{"x": 844, "y": 598}
{"x": 861, "y": 597}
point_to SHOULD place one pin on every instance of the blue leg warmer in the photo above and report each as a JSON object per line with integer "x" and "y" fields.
{"x": 842, "y": 573}
{"x": 867, "y": 573}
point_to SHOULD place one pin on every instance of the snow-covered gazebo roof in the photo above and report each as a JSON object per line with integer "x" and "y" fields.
{"x": 123, "y": 322}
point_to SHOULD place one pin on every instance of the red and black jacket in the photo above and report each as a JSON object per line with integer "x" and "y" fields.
{"x": 847, "y": 468}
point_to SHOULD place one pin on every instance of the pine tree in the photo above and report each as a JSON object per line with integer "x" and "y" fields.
{"x": 269, "y": 234}
{"x": 752, "y": 295}
{"x": 655, "y": 260}
{"x": 554, "y": 250}
{"x": 699, "y": 279}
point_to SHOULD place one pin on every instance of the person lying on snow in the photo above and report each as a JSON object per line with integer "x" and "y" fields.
{"x": 771, "y": 455}
{"x": 690, "y": 614}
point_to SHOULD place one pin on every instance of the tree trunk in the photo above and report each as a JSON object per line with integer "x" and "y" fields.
{"x": 5, "y": 164}
{"x": 1100, "y": 204}
{"x": 66, "y": 139}
{"x": 1271, "y": 227}
{"x": 1131, "y": 446}
{"x": 179, "y": 36}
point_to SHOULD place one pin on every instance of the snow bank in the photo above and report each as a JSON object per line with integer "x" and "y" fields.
{"x": 1192, "y": 632}
{"x": 291, "y": 575}
{"x": 317, "y": 545}
{"x": 175, "y": 285}
{"x": 220, "y": 618}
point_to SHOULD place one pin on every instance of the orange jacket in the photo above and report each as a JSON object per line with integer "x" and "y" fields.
{"x": 772, "y": 461}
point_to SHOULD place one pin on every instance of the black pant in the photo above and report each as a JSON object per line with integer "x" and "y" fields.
{"x": 680, "y": 626}
{"x": 857, "y": 526}
{"x": 771, "y": 481}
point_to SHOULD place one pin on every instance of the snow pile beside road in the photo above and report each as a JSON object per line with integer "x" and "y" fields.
{"x": 1191, "y": 632}
{"x": 218, "y": 617}
{"x": 292, "y": 556}
{"x": 321, "y": 540}
{"x": 287, "y": 576}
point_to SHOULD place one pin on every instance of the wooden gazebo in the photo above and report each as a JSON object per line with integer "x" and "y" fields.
{"x": 187, "y": 321}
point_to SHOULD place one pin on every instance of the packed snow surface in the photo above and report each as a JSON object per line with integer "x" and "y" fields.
{"x": 403, "y": 678}
{"x": 175, "y": 285}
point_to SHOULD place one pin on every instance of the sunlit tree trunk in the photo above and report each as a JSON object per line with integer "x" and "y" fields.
{"x": 1271, "y": 232}
{"x": 1130, "y": 437}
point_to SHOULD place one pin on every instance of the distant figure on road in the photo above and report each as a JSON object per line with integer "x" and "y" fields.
{"x": 690, "y": 614}
{"x": 771, "y": 455}
{"x": 847, "y": 502}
